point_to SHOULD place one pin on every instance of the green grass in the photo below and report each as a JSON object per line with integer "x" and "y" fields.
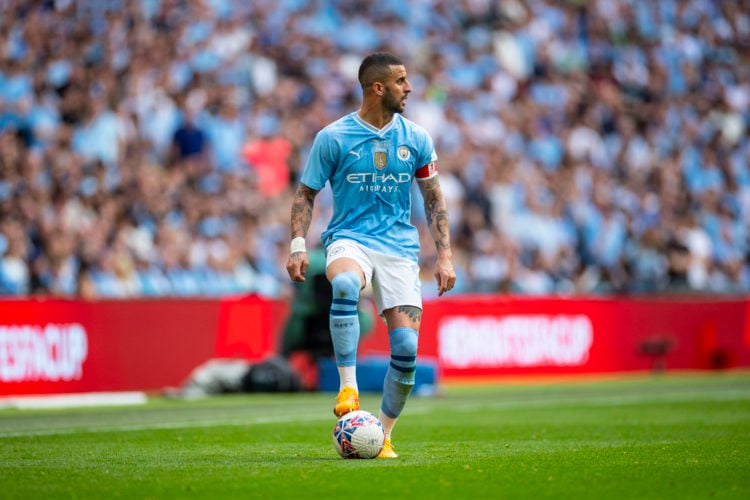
{"x": 675, "y": 436}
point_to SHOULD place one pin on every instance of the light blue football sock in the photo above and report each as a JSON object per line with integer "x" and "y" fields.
{"x": 344, "y": 321}
{"x": 399, "y": 378}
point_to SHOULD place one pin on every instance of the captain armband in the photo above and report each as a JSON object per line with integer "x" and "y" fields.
{"x": 426, "y": 172}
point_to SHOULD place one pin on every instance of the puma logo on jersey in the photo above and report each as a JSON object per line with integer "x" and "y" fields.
{"x": 358, "y": 154}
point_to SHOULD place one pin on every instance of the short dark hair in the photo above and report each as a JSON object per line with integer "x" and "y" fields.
{"x": 376, "y": 67}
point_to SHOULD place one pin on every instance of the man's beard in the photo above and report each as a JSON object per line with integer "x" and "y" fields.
{"x": 392, "y": 104}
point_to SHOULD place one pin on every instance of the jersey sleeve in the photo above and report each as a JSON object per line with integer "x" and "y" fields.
{"x": 320, "y": 162}
{"x": 427, "y": 165}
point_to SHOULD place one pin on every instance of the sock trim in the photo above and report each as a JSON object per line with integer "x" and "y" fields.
{"x": 346, "y": 302}
{"x": 340, "y": 313}
{"x": 403, "y": 358}
{"x": 402, "y": 369}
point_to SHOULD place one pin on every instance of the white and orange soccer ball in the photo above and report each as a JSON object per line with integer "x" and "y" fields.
{"x": 358, "y": 434}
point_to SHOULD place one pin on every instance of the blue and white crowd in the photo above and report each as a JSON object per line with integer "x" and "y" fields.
{"x": 151, "y": 147}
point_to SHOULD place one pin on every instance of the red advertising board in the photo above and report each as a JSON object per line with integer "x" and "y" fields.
{"x": 504, "y": 336}
{"x": 60, "y": 346}
{"x": 65, "y": 346}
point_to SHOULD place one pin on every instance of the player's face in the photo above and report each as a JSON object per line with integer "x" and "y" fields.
{"x": 397, "y": 90}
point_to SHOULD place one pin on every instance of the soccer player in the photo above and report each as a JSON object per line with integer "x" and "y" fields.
{"x": 370, "y": 157}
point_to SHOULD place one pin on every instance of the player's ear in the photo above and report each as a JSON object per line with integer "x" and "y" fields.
{"x": 378, "y": 87}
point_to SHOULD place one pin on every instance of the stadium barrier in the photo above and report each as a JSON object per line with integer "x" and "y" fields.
{"x": 52, "y": 346}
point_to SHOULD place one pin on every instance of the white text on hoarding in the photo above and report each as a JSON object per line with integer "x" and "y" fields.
{"x": 53, "y": 352}
{"x": 515, "y": 340}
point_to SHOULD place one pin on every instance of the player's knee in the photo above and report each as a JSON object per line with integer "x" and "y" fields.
{"x": 404, "y": 342}
{"x": 346, "y": 285}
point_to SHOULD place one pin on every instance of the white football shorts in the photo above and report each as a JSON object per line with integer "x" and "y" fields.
{"x": 394, "y": 280}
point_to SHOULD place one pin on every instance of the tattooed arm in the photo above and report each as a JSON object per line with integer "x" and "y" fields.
{"x": 437, "y": 219}
{"x": 302, "y": 208}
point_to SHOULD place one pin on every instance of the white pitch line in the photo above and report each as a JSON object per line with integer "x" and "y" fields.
{"x": 57, "y": 401}
{"x": 603, "y": 400}
{"x": 160, "y": 425}
{"x": 419, "y": 406}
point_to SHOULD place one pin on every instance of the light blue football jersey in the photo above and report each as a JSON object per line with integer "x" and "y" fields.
{"x": 371, "y": 172}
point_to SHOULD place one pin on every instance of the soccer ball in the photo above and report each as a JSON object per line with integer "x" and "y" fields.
{"x": 358, "y": 434}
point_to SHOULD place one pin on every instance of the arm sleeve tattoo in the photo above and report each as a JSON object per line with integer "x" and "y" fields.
{"x": 302, "y": 209}
{"x": 436, "y": 212}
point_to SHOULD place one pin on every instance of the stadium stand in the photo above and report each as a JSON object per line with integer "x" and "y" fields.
{"x": 148, "y": 147}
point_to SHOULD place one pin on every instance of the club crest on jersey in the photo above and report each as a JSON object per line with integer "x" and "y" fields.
{"x": 404, "y": 153}
{"x": 380, "y": 155}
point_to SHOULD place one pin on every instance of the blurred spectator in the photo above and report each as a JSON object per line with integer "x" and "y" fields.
{"x": 189, "y": 143}
{"x": 268, "y": 156}
{"x": 14, "y": 268}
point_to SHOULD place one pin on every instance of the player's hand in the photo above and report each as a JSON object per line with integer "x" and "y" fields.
{"x": 444, "y": 275}
{"x": 297, "y": 264}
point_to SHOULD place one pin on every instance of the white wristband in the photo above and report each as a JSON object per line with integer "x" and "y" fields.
{"x": 298, "y": 245}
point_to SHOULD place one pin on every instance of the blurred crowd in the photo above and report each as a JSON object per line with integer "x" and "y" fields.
{"x": 151, "y": 147}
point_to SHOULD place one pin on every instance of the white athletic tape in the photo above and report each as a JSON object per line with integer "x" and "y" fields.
{"x": 298, "y": 245}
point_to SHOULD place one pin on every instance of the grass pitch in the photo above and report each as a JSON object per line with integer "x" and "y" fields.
{"x": 665, "y": 437}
